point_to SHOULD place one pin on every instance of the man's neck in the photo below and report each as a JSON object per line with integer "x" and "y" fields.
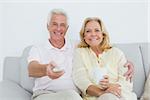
{"x": 57, "y": 43}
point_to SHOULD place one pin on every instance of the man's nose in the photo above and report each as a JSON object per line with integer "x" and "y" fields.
{"x": 58, "y": 27}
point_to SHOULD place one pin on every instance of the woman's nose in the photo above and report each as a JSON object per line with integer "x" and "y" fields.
{"x": 93, "y": 33}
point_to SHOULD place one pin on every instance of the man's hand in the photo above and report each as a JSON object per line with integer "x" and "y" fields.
{"x": 130, "y": 72}
{"x": 114, "y": 89}
{"x": 51, "y": 74}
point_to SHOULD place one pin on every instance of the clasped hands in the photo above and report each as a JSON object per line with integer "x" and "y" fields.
{"x": 110, "y": 87}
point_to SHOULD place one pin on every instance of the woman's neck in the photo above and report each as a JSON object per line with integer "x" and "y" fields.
{"x": 96, "y": 50}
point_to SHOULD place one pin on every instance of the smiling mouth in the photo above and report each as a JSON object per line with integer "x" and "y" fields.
{"x": 58, "y": 33}
{"x": 93, "y": 39}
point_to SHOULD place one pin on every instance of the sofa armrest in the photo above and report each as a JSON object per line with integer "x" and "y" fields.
{"x": 10, "y": 90}
{"x": 11, "y": 69}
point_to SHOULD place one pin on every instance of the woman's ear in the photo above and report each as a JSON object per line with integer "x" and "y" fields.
{"x": 84, "y": 37}
{"x": 103, "y": 35}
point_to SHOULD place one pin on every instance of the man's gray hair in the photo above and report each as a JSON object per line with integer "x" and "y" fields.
{"x": 56, "y": 11}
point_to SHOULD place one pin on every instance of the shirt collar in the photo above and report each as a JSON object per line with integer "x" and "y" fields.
{"x": 93, "y": 53}
{"x": 50, "y": 46}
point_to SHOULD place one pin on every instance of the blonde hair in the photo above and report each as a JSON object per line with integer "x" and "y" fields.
{"x": 105, "y": 44}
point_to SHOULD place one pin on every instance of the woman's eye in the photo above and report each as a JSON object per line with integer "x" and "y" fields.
{"x": 97, "y": 30}
{"x": 87, "y": 31}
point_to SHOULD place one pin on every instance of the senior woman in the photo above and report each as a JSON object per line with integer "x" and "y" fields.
{"x": 98, "y": 67}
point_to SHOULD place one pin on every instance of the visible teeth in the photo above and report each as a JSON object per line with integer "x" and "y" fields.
{"x": 58, "y": 33}
{"x": 93, "y": 39}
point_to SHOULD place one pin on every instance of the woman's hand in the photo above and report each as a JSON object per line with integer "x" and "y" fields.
{"x": 104, "y": 83}
{"x": 114, "y": 89}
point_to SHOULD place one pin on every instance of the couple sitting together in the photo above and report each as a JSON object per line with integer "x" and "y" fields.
{"x": 91, "y": 70}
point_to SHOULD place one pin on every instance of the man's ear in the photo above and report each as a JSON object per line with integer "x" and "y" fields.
{"x": 67, "y": 29}
{"x": 47, "y": 26}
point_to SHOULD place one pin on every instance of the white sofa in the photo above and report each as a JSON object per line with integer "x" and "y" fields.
{"x": 16, "y": 84}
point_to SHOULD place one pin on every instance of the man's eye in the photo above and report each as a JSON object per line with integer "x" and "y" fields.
{"x": 54, "y": 24}
{"x": 63, "y": 25}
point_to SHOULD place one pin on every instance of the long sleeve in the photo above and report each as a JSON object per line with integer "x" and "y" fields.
{"x": 80, "y": 75}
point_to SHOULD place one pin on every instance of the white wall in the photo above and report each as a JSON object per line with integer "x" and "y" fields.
{"x": 148, "y": 21}
{"x": 0, "y": 42}
{"x": 24, "y": 23}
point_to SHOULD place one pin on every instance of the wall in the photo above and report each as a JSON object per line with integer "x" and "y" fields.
{"x": 23, "y": 23}
{"x": 0, "y": 43}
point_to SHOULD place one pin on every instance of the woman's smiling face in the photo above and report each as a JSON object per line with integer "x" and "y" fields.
{"x": 93, "y": 35}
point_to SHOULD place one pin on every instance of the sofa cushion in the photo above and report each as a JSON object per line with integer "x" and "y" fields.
{"x": 26, "y": 81}
{"x": 10, "y": 90}
{"x": 133, "y": 54}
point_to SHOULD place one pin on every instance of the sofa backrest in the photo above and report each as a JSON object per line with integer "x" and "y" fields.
{"x": 25, "y": 81}
{"x": 16, "y": 69}
{"x": 145, "y": 50}
{"x": 133, "y": 54}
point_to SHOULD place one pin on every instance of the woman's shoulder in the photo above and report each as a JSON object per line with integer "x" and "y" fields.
{"x": 81, "y": 49}
{"x": 80, "y": 52}
{"x": 115, "y": 50}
